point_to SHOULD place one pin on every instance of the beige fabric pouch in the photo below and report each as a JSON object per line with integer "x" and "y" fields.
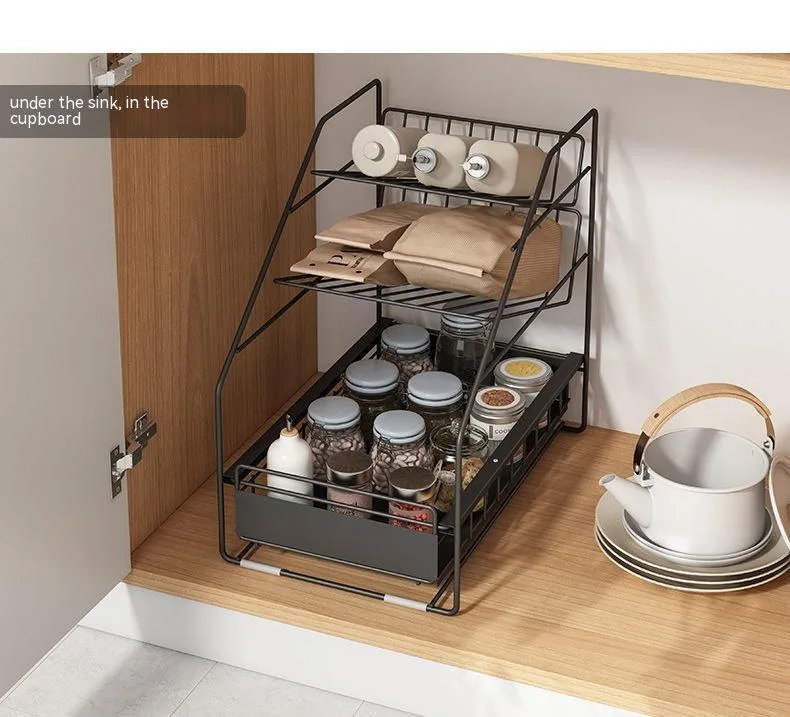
{"x": 467, "y": 249}
{"x": 378, "y": 229}
{"x": 339, "y": 262}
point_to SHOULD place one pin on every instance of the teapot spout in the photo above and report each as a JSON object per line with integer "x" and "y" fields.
{"x": 634, "y": 498}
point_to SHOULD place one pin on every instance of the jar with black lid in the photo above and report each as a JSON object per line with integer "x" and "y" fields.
{"x": 332, "y": 426}
{"x": 415, "y": 485}
{"x": 373, "y": 384}
{"x": 398, "y": 440}
{"x": 437, "y": 396}
{"x": 461, "y": 342}
{"x": 408, "y": 346}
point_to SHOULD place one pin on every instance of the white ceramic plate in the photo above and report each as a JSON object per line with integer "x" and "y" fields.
{"x": 697, "y": 561}
{"x": 708, "y": 581}
{"x": 609, "y": 519}
{"x": 668, "y": 583}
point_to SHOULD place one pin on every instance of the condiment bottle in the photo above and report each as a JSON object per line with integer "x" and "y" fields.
{"x": 398, "y": 440}
{"x": 474, "y": 450}
{"x": 290, "y": 454}
{"x": 332, "y": 426}
{"x": 438, "y": 161}
{"x": 507, "y": 169}
{"x": 408, "y": 346}
{"x": 495, "y": 411}
{"x": 437, "y": 396}
{"x": 351, "y": 469}
{"x": 416, "y": 485}
{"x": 373, "y": 384}
{"x": 526, "y": 375}
{"x": 382, "y": 151}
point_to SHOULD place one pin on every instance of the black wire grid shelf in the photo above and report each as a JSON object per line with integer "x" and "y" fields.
{"x": 436, "y": 553}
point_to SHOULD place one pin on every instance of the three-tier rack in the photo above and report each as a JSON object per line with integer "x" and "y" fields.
{"x": 437, "y": 554}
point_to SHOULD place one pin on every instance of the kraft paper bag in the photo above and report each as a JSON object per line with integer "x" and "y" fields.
{"x": 339, "y": 262}
{"x": 378, "y": 229}
{"x": 467, "y": 250}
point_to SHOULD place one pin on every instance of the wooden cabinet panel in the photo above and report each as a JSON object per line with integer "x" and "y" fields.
{"x": 193, "y": 219}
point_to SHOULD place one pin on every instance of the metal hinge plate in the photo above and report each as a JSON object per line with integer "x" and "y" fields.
{"x": 101, "y": 77}
{"x": 142, "y": 432}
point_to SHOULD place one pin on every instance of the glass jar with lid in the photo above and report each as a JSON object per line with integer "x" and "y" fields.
{"x": 474, "y": 450}
{"x": 437, "y": 396}
{"x": 332, "y": 426}
{"x": 461, "y": 343}
{"x": 412, "y": 484}
{"x": 495, "y": 410}
{"x": 398, "y": 441}
{"x": 408, "y": 346}
{"x": 526, "y": 375}
{"x": 373, "y": 384}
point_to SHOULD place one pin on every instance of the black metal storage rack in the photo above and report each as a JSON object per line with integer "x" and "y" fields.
{"x": 435, "y": 556}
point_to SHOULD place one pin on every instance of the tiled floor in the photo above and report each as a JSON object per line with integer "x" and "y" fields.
{"x": 92, "y": 674}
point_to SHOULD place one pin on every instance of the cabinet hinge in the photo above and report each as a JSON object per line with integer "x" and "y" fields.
{"x": 142, "y": 432}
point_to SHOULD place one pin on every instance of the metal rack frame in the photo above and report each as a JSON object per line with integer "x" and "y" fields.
{"x": 447, "y": 541}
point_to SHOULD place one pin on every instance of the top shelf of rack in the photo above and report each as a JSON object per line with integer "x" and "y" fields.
{"x": 411, "y": 184}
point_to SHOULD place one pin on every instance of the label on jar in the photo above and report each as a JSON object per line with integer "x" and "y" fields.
{"x": 494, "y": 431}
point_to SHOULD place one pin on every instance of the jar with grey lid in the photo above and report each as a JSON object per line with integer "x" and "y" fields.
{"x": 354, "y": 470}
{"x": 526, "y": 375}
{"x": 437, "y": 396}
{"x": 461, "y": 343}
{"x": 474, "y": 449}
{"x": 373, "y": 384}
{"x": 495, "y": 410}
{"x": 332, "y": 426}
{"x": 415, "y": 485}
{"x": 398, "y": 440}
{"x": 408, "y": 346}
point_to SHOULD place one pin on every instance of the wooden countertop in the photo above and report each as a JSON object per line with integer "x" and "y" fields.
{"x": 763, "y": 70}
{"x": 541, "y": 604}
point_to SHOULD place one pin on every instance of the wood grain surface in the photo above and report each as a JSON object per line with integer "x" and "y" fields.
{"x": 194, "y": 218}
{"x": 540, "y": 604}
{"x": 764, "y": 70}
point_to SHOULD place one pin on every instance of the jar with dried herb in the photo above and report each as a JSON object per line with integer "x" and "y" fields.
{"x": 373, "y": 384}
{"x": 398, "y": 441}
{"x": 474, "y": 450}
{"x": 526, "y": 375}
{"x": 495, "y": 410}
{"x": 332, "y": 426}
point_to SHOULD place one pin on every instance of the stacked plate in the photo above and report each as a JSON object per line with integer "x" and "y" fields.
{"x": 622, "y": 541}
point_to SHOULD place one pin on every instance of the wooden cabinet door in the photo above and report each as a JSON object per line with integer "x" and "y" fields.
{"x": 64, "y": 541}
{"x": 193, "y": 219}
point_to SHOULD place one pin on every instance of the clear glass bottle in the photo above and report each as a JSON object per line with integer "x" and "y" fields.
{"x": 373, "y": 384}
{"x": 398, "y": 441}
{"x": 415, "y": 485}
{"x": 461, "y": 344}
{"x": 437, "y": 396}
{"x": 408, "y": 346}
{"x": 332, "y": 426}
{"x": 474, "y": 450}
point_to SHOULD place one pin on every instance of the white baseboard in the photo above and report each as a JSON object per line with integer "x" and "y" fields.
{"x": 330, "y": 663}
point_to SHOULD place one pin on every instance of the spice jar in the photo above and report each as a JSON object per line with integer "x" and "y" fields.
{"x": 495, "y": 411}
{"x": 398, "y": 440}
{"x": 437, "y": 396}
{"x": 409, "y": 347}
{"x": 474, "y": 449}
{"x": 332, "y": 426}
{"x": 351, "y": 469}
{"x": 461, "y": 344}
{"x": 373, "y": 384}
{"x": 526, "y": 375}
{"x": 416, "y": 485}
